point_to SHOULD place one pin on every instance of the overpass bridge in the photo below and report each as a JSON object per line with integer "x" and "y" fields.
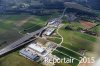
{"x": 20, "y": 42}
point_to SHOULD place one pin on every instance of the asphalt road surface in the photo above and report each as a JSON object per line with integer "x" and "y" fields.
{"x": 20, "y": 42}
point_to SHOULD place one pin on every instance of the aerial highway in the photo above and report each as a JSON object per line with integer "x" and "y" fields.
{"x": 20, "y": 42}
{"x": 25, "y": 39}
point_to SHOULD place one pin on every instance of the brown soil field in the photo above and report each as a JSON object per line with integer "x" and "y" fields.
{"x": 87, "y": 24}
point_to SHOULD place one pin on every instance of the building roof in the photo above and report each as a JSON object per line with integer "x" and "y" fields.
{"x": 20, "y": 42}
{"x": 28, "y": 54}
{"x": 49, "y": 31}
{"x": 36, "y": 48}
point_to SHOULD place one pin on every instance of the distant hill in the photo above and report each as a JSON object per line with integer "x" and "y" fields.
{"x": 92, "y": 3}
{"x": 30, "y": 5}
{"x": 95, "y": 4}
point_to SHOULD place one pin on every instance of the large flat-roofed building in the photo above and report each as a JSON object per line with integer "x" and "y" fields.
{"x": 53, "y": 21}
{"x": 29, "y": 55}
{"x": 49, "y": 31}
{"x": 36, "y": 48}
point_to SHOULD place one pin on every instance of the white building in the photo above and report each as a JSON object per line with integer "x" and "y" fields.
{"x": 49, "y": 31}
{"x": 53, "y": 21}
{"x": 37, "y": 48}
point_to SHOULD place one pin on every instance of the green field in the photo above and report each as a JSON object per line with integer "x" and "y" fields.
{"x": 60, "y": 55}
{"x": 96, "y": 29}
{"x": 70, "y": 53}
{"x": 56, "y": 40}
{"x": 14, "y": 59}
{"x": 8, "y": 30}
{"x": 32, "y": 25}
{"x": 77, "y": 40}
{"x": 12, "y": 27}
